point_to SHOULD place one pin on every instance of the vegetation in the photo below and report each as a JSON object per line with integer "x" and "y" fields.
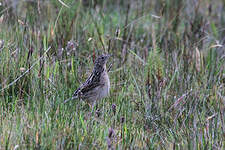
{"x": 167, "y": 77}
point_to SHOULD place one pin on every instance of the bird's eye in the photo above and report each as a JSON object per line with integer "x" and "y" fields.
{"x": 102, "y": 57}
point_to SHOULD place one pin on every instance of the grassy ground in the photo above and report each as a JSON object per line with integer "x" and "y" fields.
{"x": 167, "y": 77}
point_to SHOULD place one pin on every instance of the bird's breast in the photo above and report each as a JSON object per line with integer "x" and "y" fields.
{"x": 106, "y": 85}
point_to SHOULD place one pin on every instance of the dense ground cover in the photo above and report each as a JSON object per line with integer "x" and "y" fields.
{"x": 167, "y": 76}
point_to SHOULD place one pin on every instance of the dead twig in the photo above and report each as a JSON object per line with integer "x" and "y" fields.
{"x": 17, "y": 79}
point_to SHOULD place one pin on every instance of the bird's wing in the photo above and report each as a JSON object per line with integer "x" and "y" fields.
{"x": 92, "y": 82}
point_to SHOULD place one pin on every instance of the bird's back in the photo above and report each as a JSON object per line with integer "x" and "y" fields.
{"x": 89, "y": 88}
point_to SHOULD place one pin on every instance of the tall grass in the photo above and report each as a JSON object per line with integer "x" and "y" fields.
{"x": 167, "y": 79}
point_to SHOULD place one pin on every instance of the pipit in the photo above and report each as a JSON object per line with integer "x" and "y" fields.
{"x": 97, "y": 85}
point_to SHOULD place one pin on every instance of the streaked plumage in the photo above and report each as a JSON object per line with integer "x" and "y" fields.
{"x": 97, "y": 85}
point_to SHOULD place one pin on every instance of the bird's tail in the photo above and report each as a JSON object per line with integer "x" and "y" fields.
{"x": 71, "y": 98}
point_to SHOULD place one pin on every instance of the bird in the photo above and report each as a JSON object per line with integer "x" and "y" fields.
{"x": 97, "y": 85}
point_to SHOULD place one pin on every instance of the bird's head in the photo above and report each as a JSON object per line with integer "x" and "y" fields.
{"x": 102, "y": 60}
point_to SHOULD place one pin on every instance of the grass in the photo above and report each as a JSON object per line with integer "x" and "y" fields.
{"x": 167, "y": 80}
